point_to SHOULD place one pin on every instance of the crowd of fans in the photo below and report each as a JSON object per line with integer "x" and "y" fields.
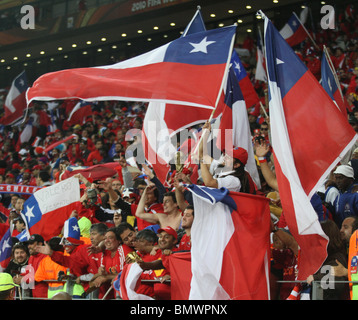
{"x": 133, "y": 210}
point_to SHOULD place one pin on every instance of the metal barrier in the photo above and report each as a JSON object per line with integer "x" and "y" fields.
{"x": 316, "y": 294}
{"x": 317, "y": 290}
{"x": 24, "y": 295}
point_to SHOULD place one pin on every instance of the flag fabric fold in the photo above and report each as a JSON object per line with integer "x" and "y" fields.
{"x": 230, "y": 245}
{"x": 127, "y": 282}
{"x": 198, "y": 61}
{"x": 79, "y": 114}
{"x": 92, "y": 173}
{"x": 309, "y": 136}
{"x": 46, "y": 211}
{"x": 180, "y": 275}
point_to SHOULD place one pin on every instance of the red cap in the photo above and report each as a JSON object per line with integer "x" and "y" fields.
{"x": 240, "y": 154}
{"x": 169, "y": 230}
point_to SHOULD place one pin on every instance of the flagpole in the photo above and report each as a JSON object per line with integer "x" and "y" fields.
{"x": 304, "y": 28}
{"x": 263, "y": 109}
{"x": 198, "y": 9}
{"x": 226, "y": 74}
{"x": 331, "y": 66}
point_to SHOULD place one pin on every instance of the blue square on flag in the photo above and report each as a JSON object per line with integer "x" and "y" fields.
{"x": 5, "y": 246}
{"x": 202, "y": 48}
{"x": 31, "y": 212}
{"x": 21, "y": 82}
{"x": 287, "y": 68}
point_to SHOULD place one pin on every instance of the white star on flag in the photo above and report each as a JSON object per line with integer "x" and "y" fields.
{"x": 278, "y": 61}
{"x": 237, "y": 66}
{"x": 75, "y": 228}
{"x": 29, "y": 213}
{"x": 201, "y": 46}
{"x": 5, "y": 245}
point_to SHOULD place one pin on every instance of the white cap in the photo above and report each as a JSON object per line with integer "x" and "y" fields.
{"x": 345, "y": 170}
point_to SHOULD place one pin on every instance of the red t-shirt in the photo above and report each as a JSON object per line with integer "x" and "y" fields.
{"x": 185, "y": 243}
{"x": 154, "y": 208}
{"x": 40, "y": 289}
{"x": 112, "y": 265}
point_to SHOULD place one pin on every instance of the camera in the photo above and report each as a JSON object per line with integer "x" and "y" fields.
{"x": 92, "y": 196}
{"x": 260, "y": 139}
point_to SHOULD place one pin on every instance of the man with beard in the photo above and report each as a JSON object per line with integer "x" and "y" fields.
{"x": 20, "y": 257}
{"x": 40, "y": 288}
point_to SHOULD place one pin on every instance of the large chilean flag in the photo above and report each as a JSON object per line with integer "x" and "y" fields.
{"x": 309, "y": 137}
{"x": 230, "y": 250}
{"x": 46, "y": 211}
{"x": 187, "y": 71}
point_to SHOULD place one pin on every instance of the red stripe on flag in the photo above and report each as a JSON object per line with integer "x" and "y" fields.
{"x": 313, "y": 247}
{"x": 299, "y": 36}
{"x": 313, "y": 139}
{"x": 122, "y": 83}
{"x": 52, "y": 222}
{"x": 244, "y": 274}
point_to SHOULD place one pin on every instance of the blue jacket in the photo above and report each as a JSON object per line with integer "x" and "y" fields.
{"x": 346, "y": 204}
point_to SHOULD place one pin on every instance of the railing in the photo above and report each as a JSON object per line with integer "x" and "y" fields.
{"x": 316, "y": 294}
{"x": 23, "y": 295}
{"x": 69, "y": 289}
{"x": 317, "y": 290}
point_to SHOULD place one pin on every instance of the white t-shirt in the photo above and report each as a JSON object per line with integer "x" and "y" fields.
{"x": 224, "y": 179}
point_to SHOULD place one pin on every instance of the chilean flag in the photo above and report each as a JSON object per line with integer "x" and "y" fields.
{"x": 234, "y": 129}
{"x": 79, "y": 114}
{"x": 127, "y": 282}
{"x": 230, "y": 251}
{"x": 46, "y": 211}
{"x": 188, "y": 71}
{"x": 5, "y": 248}
{"x": 15, "y": 102}
{"x": 247, "y": 89}
{"x": 294, "y": 31}
{"x": 309, "y": 137}
{"x": 330, "y": 85}
{"x": 57, "y": 143}
{"x": 162, "y": 120}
